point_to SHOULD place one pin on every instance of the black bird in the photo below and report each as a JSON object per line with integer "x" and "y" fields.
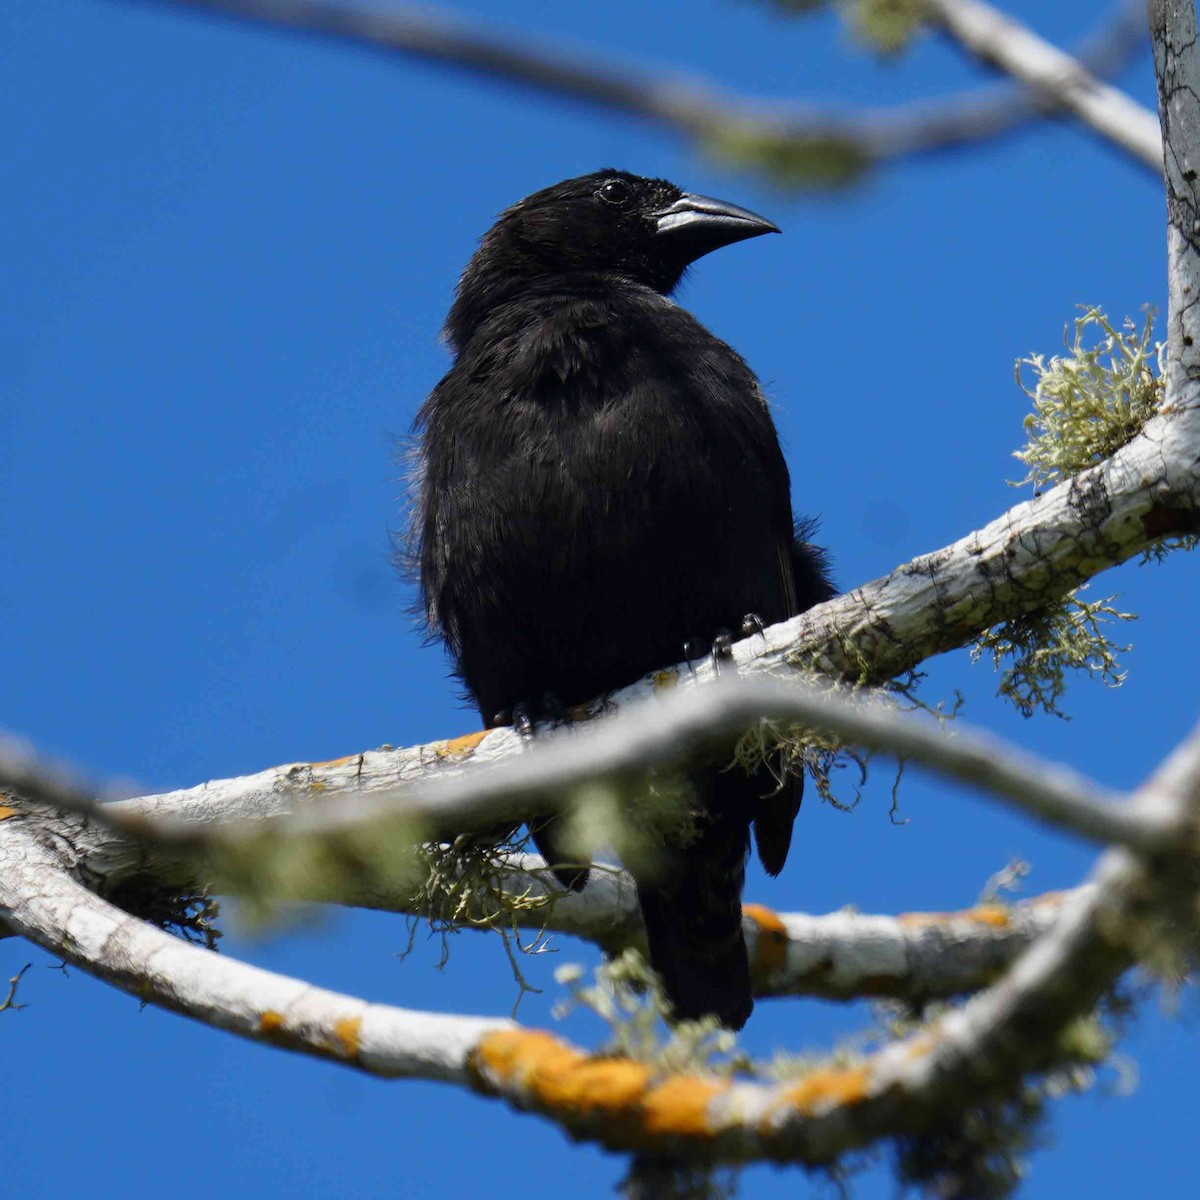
{"x": 602, "y": 483}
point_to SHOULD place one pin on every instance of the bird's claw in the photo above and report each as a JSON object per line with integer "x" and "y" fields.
{"x": 523, "y": 716}
{"x": 752, "y": 623}
{"x": 522, "y": 719}
{"x": 722, "y": 649}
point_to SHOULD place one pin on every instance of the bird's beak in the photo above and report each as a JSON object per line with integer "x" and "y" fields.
{"x": 705, "y": 224}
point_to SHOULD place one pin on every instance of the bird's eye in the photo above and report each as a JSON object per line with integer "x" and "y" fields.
{"x": 615, "y": 192}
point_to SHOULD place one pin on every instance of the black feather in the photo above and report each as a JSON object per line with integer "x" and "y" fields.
{"x": 601, "y": 482}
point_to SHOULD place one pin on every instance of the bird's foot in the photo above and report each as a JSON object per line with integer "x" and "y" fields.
{"x": 720, "y": 649}
{"x": 525, "y": 714}
{"x": 752, "y": 623}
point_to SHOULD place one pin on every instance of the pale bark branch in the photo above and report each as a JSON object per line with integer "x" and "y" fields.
{"x": 1174, "y": 27}
{"x": 40, "y": 781}
{"x": 840, "y": 955}
{"x": 1064, "y": 82}
{"x": 914, "y": 956}
{"x": 1179, "y": 775}
{"x": 625, "y": 1104}
{"x": 1009, "y": 1030}
{"x": 40, "y": 901}
{"x": 826, "y": 145}
{"x": 649, "y": 731}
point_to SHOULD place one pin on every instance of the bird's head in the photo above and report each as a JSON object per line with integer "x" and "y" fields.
{"x": 609, "y": 222}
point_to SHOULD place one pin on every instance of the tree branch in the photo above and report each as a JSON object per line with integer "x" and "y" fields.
{"x": 1014, "y": 1028}
{"x": 310, "y": 810}
{"x": 1173, "y": 24}
{"x": 842, "y": 955}
{"x": 41, "y": 902}
{"x": 624, "y": 1103}
{"x": 798, "y": 143}
{"x": 648, "y": 732}
{"x": 1063, "y": 82}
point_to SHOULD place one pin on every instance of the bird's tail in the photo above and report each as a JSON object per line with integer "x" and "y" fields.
{"x": 692, "y": 907}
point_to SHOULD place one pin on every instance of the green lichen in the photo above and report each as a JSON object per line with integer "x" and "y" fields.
{"x": 886, "y": 26}
{"x": 1035, "y": 651}
{"x": 627, "y": 996}
{"x": 790, "y": 750}
{"x": 1091, "y": 401}
{"x": 980, "y": 1150}
{"x": 978, "y": 1154}
{"x": 789, "y": 158}
{"x": 270, "y": 872}
{"x": 466, "y": 884}
{"x": 1087, "y": 404}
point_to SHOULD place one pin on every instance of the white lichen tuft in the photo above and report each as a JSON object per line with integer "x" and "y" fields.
{"x": 627, "y": 996}
{"x": 1091, "y": 401}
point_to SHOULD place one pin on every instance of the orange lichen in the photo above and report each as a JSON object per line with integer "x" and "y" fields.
{"x": 461, "y": 746}
{"x": 550, "y": 1073}
{"x": 921, "y": 1045}
{"x": 586, "y": 1086}
{"x": 612, "y": 1085}
{"x": 545, "y": 1072}
{"x": 996, "y": 915}
{"x": 337, "y": 762}
{"x": 348, "y": 1031}
{"x": 679, "y": 1106}
{"x": 509, "y": 1053}
{"x": 6, "y": 812}
{"x": 557, "y": 1076}
{"x": 916, "y": 920}
{"x": 829, "y": 1087}
{"x": 771, "y": 946}
{"x": 271, "y": 1023}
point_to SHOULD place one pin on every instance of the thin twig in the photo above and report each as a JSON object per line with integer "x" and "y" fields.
{"x": 779, "y": 136}
{"x": 649, "y": 732}
{"x": 35, "y": 778}
{"x": 10, "y": 1001}
{"x": 663, "y": 731}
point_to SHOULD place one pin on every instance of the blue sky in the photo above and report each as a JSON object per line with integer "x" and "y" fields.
{"x": 227, "y": 257}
